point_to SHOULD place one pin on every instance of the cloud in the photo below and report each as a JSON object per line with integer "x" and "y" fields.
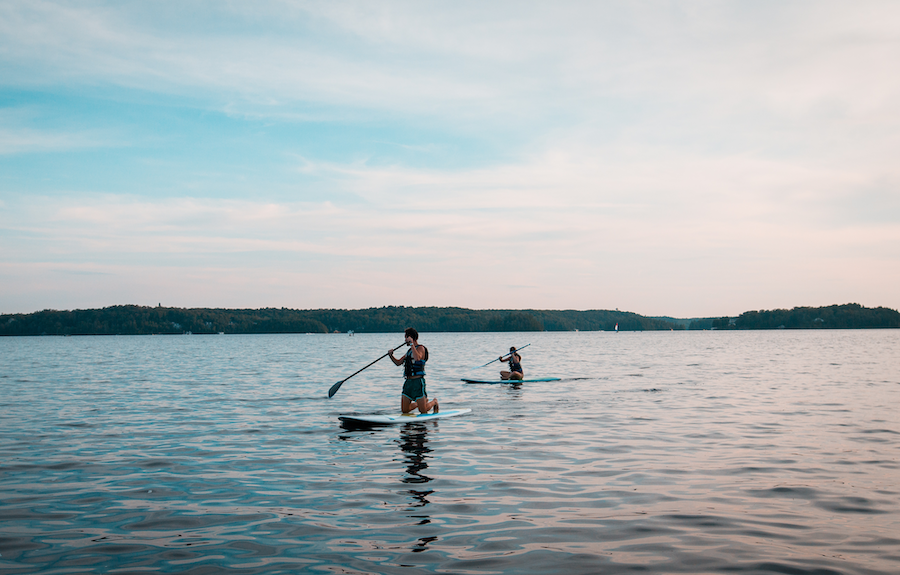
{"x": 549, "y": 205}
{"x": 471, "y": 60}
{"x": 356, "y": 256}
{"x": 25, "y": 140}
{"x": 20, "y": 135}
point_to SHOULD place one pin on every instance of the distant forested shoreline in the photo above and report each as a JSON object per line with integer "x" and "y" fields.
{"x": 847, "y": 316}
{"x": 142, "y": 320}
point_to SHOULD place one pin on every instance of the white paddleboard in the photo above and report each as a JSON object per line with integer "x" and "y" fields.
{"x": 402, "y": 418}
{"x": 533, "y": 380}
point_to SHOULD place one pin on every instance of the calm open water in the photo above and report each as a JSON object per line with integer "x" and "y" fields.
{"x": 659, "y": 452}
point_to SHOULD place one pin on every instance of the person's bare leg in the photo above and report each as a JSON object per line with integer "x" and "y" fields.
{"x": 405, "y": 404}
{"x": 504, "y": 375}
{"x": 516, "y": 375}
{"x": 425, "y": 405}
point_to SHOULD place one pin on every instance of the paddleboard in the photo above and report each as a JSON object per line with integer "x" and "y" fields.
{"x": 533, "y": 380}
{"x": 402, "y": 418}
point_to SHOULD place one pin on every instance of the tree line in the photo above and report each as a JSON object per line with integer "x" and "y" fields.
{"x": 847, "y": 316}
{"x": 141, "y": 320}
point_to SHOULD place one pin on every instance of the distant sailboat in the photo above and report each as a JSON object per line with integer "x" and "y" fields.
{"x": 617, "y": 328}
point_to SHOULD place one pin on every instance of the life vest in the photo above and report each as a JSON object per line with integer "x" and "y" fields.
{"x": 414, "y": 367}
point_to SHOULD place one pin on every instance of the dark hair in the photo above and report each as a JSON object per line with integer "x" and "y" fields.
{"x": 512, "y": 349}
{"x": 411, "y": 332}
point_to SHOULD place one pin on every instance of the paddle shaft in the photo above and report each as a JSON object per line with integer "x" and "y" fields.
{"x": 498, "y": 359}
{"x": 334, "y": 388}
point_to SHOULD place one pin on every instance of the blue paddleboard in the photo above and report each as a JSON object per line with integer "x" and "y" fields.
{"x": 532, "y": 380}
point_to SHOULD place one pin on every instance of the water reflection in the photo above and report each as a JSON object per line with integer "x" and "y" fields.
{"x": 422, "y": 544}
{"x": 414, "y": 444}
{"x": 514, "y": 385}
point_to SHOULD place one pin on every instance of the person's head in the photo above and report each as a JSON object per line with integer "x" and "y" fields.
{"x": 411, "y": 333}
{"x": 512, "y": 349}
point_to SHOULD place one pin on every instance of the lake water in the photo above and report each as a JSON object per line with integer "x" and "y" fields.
{"x": 658, "y": 452}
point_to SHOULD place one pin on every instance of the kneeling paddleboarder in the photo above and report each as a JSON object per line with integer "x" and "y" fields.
{"x": 515, "y": 366}
{"x": 414, "y": 373}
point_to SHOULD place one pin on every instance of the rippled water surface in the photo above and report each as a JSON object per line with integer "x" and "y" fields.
{"x": 657, "y": 452}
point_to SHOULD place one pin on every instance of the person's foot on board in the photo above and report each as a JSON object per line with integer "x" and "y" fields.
{"x": 436, "y": 406}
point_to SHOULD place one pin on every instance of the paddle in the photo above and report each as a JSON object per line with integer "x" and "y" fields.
{"x": 334, "y": 388}
{"x": 493, "y": 360}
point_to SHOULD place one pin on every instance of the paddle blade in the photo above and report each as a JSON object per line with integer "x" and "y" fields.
{"x": 333, "y": 389}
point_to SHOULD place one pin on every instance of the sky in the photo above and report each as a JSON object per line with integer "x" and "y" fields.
{"x": 686, "y": 159}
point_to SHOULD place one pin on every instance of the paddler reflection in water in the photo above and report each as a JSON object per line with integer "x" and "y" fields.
{"x": 515, "y": 365}
{"x": 413, "y": 363}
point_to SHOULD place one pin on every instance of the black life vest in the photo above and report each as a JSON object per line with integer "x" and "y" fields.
{"x": 414, "y": 367}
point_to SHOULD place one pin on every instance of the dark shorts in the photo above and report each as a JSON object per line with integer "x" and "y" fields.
{"x": 414, "y": 388}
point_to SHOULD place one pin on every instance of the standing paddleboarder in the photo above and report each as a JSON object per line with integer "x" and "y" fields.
{"x": 515, "y": 366}
{"x": 413, "y": 363}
